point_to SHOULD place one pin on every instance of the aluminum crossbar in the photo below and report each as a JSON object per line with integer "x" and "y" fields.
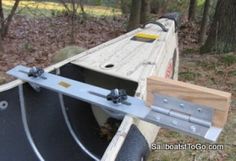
{"x": 196, "y": 125}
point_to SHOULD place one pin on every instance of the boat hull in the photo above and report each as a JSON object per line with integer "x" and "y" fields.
{"x": 44, "y": 125}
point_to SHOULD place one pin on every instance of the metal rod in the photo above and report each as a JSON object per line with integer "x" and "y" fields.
{"x": 72, "y": 131}
{"x": 25, "y": 124}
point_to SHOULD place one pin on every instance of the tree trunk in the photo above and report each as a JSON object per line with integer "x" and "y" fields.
{"x": 125, "y": 6}
{"x": 2, "y": 24}
{"x": 134, "y": 19}
{"x": 73, "y": 18}
{"x": 192, "y": 10}
{"x": 81, "y": 3}
{"x": 145, "y": 10}
{"x": 1, "y": 14}
{"x": 4, "y": 28}
{"x": 65, "y": 5}
{"x": 159, "y": 6}
{"x": 205, "y": 20}
{"x": 222, "y": 35}
{"x": 1, "y": 45}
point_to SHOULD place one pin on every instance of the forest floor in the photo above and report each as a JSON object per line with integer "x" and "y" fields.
{"x": 34, "y": 41}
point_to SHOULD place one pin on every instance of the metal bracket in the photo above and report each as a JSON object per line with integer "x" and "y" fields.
{"x": 169, "y": 112}
{"x": 180, "y": 115}
{"x": 117, "y": 96}
{"x": 35, "y": 87}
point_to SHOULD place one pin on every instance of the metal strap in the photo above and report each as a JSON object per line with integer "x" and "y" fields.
{"x": 167, "y": 112}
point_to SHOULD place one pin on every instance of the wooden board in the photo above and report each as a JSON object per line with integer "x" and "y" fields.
{"x": 218, "y": 100}
{"x": 130, "y": 59}
{"x": 136, "y": 65}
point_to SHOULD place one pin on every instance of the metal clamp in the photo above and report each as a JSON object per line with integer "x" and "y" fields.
{"x": 117, "y": 96}
{"x": 36, "y": 72}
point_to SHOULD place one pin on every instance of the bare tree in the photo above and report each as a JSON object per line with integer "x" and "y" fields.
{"x": 81, "y": 3}
{"x": 6, "y": 20}
{"x": 125, "y": 6}
{"x": 72, "y": 7}
{"x": 134, "y": 18}
{"x": 145, "y": 10}
{"x": 204, "y": 23}
{"x": 192, "y": 10}
{"x": 222, "y": 34}
{"x": 139, "y": 13}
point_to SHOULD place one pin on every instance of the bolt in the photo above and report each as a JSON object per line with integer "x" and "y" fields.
{"x": 116, "y": 92}
{"x": 199, "y": 109}
{"x": 157, "y": 118}
{"x": 174, "y": 122}
{"x": 181, "y": 105}
{"x": 165, "y": 100}
{"x": 193, "y": 128}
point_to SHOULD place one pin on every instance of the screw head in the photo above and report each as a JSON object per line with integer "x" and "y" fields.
{"x": 199, "y": 110}
{"x": 181, "y": 105}
{"x": 165, "y": 100}
{"x": 174, "y": 122}
{"x": 193, "y": 128}
{"x": 3, "y": 105}
{"x": 157, "y": 118}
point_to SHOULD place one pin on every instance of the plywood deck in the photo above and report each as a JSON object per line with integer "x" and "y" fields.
{"x": 132, "y": 60}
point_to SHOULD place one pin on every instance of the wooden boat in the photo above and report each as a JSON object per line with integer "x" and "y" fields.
{"x": 46, "y": 126}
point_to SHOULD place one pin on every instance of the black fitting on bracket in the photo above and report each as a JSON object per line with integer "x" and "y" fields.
{"x": 36, "y": 72}
{"x": 117, "y": 96}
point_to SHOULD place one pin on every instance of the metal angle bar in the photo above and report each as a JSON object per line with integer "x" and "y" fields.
{"x": 160, "y": 115}
{"x": 179, "y": 125}
{"x": 82, "y": 91}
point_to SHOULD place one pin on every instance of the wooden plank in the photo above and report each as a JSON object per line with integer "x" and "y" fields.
{"x": 134, "y": 68}
{"x": 127, "y": 59}
{"x": 218, "y": 100}
{"x": 118, "y": 140}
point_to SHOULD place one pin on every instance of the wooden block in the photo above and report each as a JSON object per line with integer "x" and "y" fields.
{"x": 218, "y": 100}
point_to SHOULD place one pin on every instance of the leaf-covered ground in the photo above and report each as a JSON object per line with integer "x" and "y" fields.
{"x": 34, "y": 41}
